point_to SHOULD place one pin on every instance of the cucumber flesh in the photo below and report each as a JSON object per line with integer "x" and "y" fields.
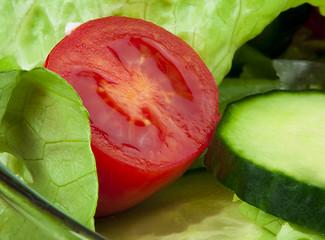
{"x": 270, "y": 149}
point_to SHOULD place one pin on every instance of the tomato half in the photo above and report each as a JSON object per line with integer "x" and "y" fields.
{"x": 152, "y": 102}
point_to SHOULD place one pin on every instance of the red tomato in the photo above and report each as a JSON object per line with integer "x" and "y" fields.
{"x": 152, "y": 102}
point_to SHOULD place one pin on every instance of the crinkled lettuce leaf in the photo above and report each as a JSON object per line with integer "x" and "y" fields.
{"x": 214, "y": 28}
{"x": 195, "y": 207}
{"x": 7, "y": 63}
{"x": 31, "y": 28}
{"x": 45, "y": 141}
{"x": 283, "y": 230}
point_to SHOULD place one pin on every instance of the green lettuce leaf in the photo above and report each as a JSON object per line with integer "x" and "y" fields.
{"x": 215, "y": 28}
{"x": 45, "y": 141}
{"x": 232, "y": 89}
{"x": 283, "y": 230}
{"x": 194, "y": 207}
{"x": 7, "y": 63}
{"x": 30, "y": 216}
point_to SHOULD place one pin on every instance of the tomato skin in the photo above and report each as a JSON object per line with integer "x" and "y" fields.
{"x": 153, "y": 104}
{"x": 131, "y": 187}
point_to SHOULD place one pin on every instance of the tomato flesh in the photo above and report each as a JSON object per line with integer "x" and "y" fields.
{"x": 152, "y": 103}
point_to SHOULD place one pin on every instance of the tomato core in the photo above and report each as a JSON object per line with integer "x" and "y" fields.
{"x": 132, "y": 107}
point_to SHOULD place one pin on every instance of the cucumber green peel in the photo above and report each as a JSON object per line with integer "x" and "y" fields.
{"x": 270, "y": 149}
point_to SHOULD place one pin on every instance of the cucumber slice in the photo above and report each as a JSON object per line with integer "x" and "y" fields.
{"x": 270, "y": 149}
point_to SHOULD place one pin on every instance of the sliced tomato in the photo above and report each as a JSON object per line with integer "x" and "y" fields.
{"x": 152, "y": 102}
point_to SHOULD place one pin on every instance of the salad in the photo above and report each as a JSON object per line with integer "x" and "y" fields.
{"x": 45, "y": 132}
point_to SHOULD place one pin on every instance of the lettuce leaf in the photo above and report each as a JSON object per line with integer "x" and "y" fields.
{"x": 45, "y": 141}
{"x": 283, "y": 230}
{"x": 214, "y": 28}
{"x": 30, "y": 216}
{"x": 196, "y": 206}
